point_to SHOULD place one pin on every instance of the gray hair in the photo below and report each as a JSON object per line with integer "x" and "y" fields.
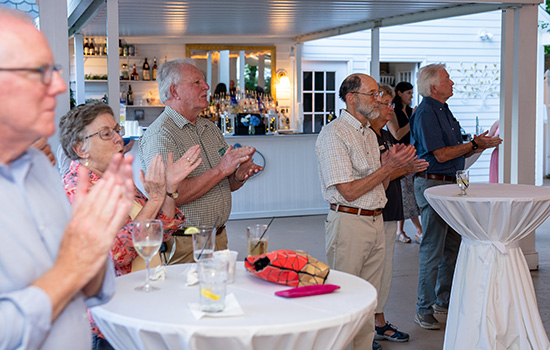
{"x": 73, "y": 124}
{"x": 387, "y": 90}
{"x": 428, "y": 76}
{"x": 170, "y": 74}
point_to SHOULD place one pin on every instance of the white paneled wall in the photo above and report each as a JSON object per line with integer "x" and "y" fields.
{"x": 288, "y": 186}
{"x": 450, "y": 41}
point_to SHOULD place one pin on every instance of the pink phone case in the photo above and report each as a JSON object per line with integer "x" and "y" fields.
{"x": 307, "y": 291}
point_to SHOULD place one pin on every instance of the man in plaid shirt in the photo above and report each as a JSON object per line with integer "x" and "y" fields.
{"x": 353, "y": 180}
{"x": 205, "y": 195}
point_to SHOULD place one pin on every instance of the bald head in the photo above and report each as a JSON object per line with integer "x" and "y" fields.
{"x": 28, "y": 102}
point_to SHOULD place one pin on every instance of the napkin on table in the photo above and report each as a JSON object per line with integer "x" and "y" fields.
{"x": 232, "y": 308}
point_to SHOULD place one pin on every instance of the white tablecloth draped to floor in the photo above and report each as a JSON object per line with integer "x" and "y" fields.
{"x": 493, "y": 303}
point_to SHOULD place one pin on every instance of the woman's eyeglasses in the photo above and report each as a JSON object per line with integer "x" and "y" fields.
{"x": 106, "y": 133}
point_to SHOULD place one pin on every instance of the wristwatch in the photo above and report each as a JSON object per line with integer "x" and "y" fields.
{"x": 173, "y": 195}
{"x": 474, "y": 145}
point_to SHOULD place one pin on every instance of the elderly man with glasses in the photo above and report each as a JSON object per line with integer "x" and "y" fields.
{"x": 353, "y": 178}
{"x": 52, "y": 266}
{"x": 435, "y": 133}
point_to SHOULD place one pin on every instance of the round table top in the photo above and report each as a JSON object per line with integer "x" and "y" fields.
{"x": 266, "y": 316}
{"x": 485, "y": 191}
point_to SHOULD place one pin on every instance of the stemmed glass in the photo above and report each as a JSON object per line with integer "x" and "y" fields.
{"x": 463, "y": 181}
{"x": 147, "y": 238}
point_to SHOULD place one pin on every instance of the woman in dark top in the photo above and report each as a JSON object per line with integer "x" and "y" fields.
{"x": 399, "y": 128}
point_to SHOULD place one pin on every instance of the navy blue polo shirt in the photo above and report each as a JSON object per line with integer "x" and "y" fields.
{"x": 433, "y": 127}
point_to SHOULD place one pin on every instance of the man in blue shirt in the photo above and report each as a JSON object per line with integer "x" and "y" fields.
{"x": 435, "y": 134}
{"x": 51, "y": 266}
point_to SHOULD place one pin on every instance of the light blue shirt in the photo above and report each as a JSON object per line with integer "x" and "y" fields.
{"x": 34, "y": 212}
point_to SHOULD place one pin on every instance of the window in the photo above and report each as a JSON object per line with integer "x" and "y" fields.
{"x": 319, "y": 99}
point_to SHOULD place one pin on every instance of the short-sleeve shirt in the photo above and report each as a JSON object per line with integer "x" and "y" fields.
{"x": 172, "y": 132}
{"x": 433, "y": 127}
{"x": 348, "y": 151}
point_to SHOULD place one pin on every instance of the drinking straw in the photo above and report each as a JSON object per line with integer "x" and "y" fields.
{"x": 262, "y": 236}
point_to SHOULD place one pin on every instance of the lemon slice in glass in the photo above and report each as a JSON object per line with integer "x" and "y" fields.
{"x": 191, "y": 230}
{"x": 207, "y": 292}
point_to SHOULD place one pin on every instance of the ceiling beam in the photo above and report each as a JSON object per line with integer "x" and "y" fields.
{"x": 84, "y": 11}
{"x": 451, "y": 11}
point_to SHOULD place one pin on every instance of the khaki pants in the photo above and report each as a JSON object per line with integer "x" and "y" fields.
{"x": 390, "y": 227}
{"x": 184, "y": 248}
{"x": 355, "y": 244}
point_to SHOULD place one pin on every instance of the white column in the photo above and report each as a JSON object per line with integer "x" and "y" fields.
{"x": 261, "y": 71}
{"x": 54, "y": 25}
{"x": 240, "y": 83}
{"x": 209, "y": 71}
{"x": 80, "y": 93}
{"x": 113, "y": 64}
{"x": 375, "y": 54}
{"x": 223, "y": 76}
{"x": 299, "y": 111}
{"x": 519, "y": 115}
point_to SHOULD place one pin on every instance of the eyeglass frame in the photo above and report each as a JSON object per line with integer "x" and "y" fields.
{"x": 373, "y": 94}
{"x": 392, "y": 105}
{"x": 45, "y": 71}
{"x": 120, "y": 131}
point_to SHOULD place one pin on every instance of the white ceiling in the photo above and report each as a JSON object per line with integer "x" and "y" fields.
{"x": 299, "y": 19}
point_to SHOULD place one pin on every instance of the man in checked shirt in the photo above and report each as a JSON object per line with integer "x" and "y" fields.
{"x": 205, "y": 195}
{"x": 353, "y": 179}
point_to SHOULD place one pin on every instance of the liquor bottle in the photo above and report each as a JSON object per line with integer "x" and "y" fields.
{"x": 96, "y": 47}
{"x": 91, "y": 50}
{"x": 155, "y": 68}
{"x": 119, "y": 47}
{"x": 105, "y": 47}
{"x": 86, "y": 47}
{"x": 146, "y": 70}
{"x": 124, "y": 72}
{"x": 135, "y": 75}
{"x": 125, "y": 50}
{"x": 130, "y": 96}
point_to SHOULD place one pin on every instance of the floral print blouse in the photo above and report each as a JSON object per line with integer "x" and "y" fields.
{"x": 122, "y": 251}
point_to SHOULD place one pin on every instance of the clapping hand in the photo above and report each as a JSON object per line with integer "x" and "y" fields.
{"x": 154, "y": 180}
{"x": 97, "y": 216}
{"x": 234, "y": 157}
{"x": 177, "y": 171}
{"x": 484, "y": 141}
{"x": 399, "y": 156}
{"x": 417, "y": 165}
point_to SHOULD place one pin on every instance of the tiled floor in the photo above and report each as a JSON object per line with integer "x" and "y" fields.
{"x": 307, "y": 233}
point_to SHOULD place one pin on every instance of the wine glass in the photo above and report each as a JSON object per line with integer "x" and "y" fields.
{"x": 147, "y": 238}
{"x": 463, "y": 181}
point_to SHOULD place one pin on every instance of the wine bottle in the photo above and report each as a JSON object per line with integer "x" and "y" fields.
{"x": 135, "y": 75}
{"x": 146, "y": 70}
{"x": 91, "y": 50}
{"x": 130, "y": 96}
{"x": 120, "y": 47}
{"x": 155, "y": 68}
{"x": 86, "y": 47}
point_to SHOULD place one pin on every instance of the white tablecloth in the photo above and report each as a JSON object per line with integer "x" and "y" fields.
{"x": 162, "y": 319}
{"x": 493, "y": 303}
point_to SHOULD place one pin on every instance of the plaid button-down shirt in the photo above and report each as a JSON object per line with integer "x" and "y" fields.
{"x": 171, "y": 132}
{"x": 348, "y": 151}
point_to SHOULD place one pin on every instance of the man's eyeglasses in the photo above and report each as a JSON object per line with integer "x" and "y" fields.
{"x": 45, "y": 71}
{"x": 373, "y": 94}
{"x": 106, "y": 133}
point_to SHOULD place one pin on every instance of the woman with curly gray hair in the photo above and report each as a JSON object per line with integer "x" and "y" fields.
{"x": 90, "y": 137}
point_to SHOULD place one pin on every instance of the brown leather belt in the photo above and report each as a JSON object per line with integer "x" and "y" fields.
{"x": 181, "y": 232}
{"x": 352, "y": 210}
{"x": 437, "y": 177}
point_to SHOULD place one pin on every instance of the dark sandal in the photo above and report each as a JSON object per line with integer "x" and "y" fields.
{"x": 402, "y": 237}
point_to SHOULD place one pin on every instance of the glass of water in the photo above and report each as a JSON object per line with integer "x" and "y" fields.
{"x": 463, "y": 181}
{"x": 204, "y": 242}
